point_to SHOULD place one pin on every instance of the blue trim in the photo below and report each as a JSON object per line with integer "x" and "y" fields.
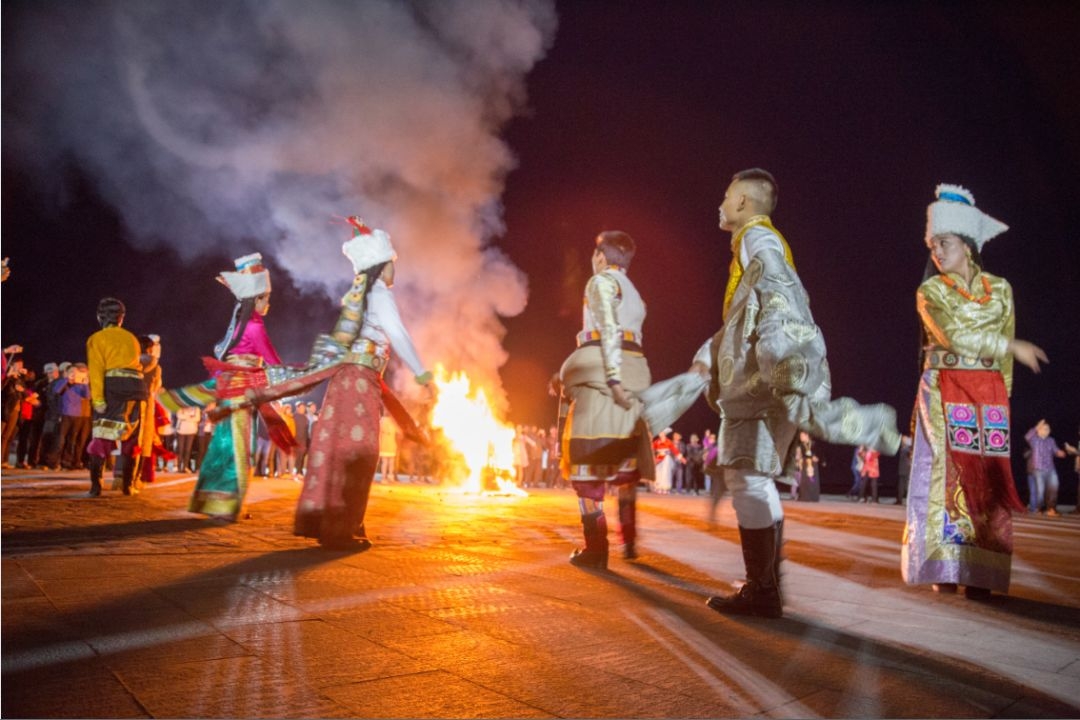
{"x": 954, "y": 197}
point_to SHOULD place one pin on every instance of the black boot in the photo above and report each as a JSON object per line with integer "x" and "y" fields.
{"x": 760, "y": 596}
{"x": 96, "y": 466}
{"x": 595, "y": 554}
{"x": 628, "y": 524}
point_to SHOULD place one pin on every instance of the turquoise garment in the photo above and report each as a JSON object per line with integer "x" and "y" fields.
{"x": 223, "y": 475}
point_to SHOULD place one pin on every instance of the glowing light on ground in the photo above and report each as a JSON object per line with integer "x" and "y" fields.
{"x": 485, "y": 444}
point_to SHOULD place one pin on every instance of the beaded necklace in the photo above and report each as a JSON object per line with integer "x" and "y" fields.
{"x": 982, "y": 300}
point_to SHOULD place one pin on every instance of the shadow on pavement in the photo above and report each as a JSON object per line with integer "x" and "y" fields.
{"x": 73, "y": 535}
{"x": 771, "y": 647}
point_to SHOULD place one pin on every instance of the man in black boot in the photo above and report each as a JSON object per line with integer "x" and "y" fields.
{"x": 117, "y": 391}
{"x": 604, "y": 438}
{"x": 770, "y": 379}
{"x": 760, "y": 595}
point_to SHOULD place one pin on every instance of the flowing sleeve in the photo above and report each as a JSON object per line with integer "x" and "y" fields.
{"x": 956, "y": 332}
{"x": 790, "y": 349}
{"x": 601, "y": 296}
{"x": 383, "y": 310}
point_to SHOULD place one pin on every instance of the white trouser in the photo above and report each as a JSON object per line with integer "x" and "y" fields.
{"x": 755, "y": 499}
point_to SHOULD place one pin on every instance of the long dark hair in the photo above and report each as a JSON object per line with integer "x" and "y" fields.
{"x": 242, "y": 312}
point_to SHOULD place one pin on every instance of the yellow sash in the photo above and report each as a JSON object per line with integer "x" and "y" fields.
{"x": 736, "y": 270}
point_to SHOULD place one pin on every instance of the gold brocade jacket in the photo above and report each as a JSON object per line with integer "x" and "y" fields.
{"x": 976, "y": 331}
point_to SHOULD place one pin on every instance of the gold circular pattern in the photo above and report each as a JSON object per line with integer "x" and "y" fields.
{"x": 726, "y": 371}
{"x": 318, "y": 459}
{"x": 357, "y": 433}
{"x": 850, "y": 424}
{"x": 753, "y": 272}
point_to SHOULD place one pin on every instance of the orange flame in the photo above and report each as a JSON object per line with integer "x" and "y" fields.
{"x": 465, "y": 417}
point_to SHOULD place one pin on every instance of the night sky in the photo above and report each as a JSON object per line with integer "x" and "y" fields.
{"x": 635, "y": 119}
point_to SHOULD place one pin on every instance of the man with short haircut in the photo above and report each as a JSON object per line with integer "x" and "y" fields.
{"x": 769, "y": 379}
{"x": 117, "y": 392}
{"x": 604, "y": 438}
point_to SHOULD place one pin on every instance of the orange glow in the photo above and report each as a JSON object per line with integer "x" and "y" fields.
{"x": 464, "y": 416}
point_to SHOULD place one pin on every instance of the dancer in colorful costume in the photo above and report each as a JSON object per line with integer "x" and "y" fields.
{"x": 604, "y": 439}
{"x": 117, "y": 393}
{"x": 961, "y": 490}
{"x": 344, "y": 451}
{"x": 240, "y": 363}
{"x": 770, "y": 379}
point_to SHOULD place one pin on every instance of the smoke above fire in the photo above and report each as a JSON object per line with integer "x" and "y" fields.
{"x": 246, "y": 126}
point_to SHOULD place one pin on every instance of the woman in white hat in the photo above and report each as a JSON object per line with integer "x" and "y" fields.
{"x": 344, "y": 449}
{"x": 961, "y": 492}
{"x": 240, "y": 363}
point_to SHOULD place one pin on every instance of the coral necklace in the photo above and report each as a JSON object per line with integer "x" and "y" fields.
{"x": 986, "y": 288}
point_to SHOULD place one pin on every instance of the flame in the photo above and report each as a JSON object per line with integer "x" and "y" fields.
{"x": 485, "y": 444}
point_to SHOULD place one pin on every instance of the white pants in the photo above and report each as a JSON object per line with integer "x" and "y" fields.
{"x": 754, "y": 498}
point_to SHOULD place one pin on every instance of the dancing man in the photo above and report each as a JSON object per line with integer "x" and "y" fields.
{"x": 604, "y": 438}
{"x": 770, "y": 379}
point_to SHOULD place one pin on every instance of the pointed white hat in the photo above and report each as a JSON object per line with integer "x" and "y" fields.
{"x": 954, "y": 212}
{"x": 250, "y": 280}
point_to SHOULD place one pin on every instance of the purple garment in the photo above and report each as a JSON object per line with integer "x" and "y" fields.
{"x": 1043, "y": 450}
{"x": 710, "y": 451}
{"x": 72, "y": 402}
{"x": 255, "y": 341}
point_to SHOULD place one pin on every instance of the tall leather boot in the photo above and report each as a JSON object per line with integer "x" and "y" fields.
{"x": 628, "y": 523}
{"x": 760, "y": 596}
{"x": 96, "y": 465}
{"x": 595, "y": 554}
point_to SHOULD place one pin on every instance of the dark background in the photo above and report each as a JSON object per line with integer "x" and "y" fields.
{"x": 636, "y": 121}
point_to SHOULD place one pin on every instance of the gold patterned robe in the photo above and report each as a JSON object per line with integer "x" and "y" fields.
{"x": 943, "y": 541}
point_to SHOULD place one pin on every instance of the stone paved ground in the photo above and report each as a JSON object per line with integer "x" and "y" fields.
{"x": 466, "y": 607}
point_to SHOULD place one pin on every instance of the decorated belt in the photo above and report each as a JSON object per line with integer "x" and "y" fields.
{"x": 124, "y": 372}
{"x": 243, "y": 359}
{"x": 946, "y": 360}
{"x": 368, "y": 360}
{"x": 630, "y": 340}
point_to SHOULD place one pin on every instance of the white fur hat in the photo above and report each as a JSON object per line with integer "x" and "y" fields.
{"x": 954, "y": 211}
{"x": 250, "y": 280}
{"x": 367, "y": 247}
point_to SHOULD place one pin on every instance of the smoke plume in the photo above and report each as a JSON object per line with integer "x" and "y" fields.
{"x": 247, "y": 125}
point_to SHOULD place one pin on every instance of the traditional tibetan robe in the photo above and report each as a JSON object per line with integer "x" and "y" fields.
{"x": 961, "y": 491}
{"x": 600, "y": 438}
{"x": 770, "y": 376}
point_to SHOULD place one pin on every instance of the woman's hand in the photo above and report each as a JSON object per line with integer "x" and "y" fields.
{"x": 1028, "y": 354}
{"x": 622, "y": 398}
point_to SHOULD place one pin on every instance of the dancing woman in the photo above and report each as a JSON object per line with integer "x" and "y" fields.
{"x": 961, "y": 491}
{"x": 239, "y": 364}
{"x": 345, "y": 447}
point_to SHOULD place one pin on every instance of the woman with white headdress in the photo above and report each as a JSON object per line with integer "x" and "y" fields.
{"x": 351, "y": 360}
{"x": 961, "y": 493}
{"x": 240, "y": 363}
